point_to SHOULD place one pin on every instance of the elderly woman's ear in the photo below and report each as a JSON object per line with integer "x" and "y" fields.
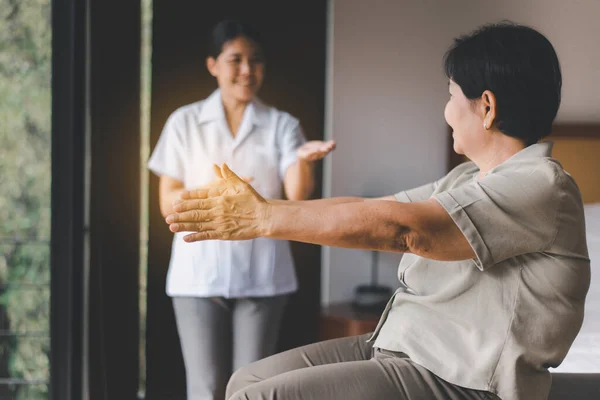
{"x": 488, "y": 109}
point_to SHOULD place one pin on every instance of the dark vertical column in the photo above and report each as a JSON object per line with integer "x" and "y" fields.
{"x": 295, "y": 36}
{"x": 67, "y": 264}
{"x": 115, "y": 34}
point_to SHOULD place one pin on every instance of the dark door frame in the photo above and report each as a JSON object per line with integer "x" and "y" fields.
{"x": 95, "y": 199}
{"x": 68, "y": 230}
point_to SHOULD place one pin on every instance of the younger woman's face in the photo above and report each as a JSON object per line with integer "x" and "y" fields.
{"x": 239, "y": 69}
{"x": 466, "y": 123}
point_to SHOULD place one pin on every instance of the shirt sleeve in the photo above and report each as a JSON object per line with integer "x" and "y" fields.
{"x": 507, "y": 213}
{"x": 168, "y": 155}
{"x": 420, "y": 193}
{"x": 425, "y": 192}
{"x": 291, "y": 138}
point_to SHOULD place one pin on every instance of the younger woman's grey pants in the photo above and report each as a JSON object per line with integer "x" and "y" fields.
{"x": 219, "y": 336}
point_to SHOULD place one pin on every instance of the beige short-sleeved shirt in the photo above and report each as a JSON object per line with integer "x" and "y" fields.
{"x": 499, "y": 321}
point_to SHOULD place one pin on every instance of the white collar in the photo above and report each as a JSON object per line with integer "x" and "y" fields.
{"x": 212, "y": 110}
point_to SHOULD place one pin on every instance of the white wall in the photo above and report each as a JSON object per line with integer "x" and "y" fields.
{"x": 387, "y": 93}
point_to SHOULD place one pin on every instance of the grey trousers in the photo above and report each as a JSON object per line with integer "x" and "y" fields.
{"x": 219, "y": 336}
{"x": 343, "y": 369}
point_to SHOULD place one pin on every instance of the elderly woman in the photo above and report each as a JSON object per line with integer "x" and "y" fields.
{"x": 496, "y": 269}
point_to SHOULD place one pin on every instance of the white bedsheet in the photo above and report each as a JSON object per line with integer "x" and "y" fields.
{"x": 584, "y": 355}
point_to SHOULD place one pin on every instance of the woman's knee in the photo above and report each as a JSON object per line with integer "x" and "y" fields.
{"x": 239, "y": 395}
{"x": 240, "y": 379}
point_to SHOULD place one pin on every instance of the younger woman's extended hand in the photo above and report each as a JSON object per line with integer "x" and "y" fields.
{"x": 315, "y": 150}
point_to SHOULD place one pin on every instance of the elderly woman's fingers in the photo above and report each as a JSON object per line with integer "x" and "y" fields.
{"x": 187, "y": 205}
{"x": 220, "y": 175}
{"x": 201, "y": 193}
{"x": 206, "y": 235}
{"x": 192, "y": 227}
{"x": 229, "y": 175}
{"x": 192, "y": 211}
{"x": 189, "y": 216}
{"x": 207, "y": 190}
{"x": 214, "y": 189}
{"x": 217, "y": 171}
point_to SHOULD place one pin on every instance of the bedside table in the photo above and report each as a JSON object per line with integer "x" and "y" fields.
{"x": 341, "y": 320}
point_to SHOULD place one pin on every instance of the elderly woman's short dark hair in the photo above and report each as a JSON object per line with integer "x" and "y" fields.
{"x": 519, "y": 65}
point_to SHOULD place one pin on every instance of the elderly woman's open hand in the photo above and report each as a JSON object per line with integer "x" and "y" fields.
{"x": 227, "y": 209}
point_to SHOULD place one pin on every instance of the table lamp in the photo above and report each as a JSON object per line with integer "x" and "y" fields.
{"x": 372, "y": 297}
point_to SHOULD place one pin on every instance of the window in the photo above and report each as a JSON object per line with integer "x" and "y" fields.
{"x": 25, "y": 120}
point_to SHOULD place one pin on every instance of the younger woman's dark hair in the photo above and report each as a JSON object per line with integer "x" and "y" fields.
{"x": 229, "y": 29}
{"x": 519, "y": 65}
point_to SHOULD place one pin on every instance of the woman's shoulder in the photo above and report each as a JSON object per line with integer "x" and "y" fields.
{"x": 184, "y": 120}
{"x": 468, "y": 168}
{"x": 274, "y": 113}
{"x": 192, "y": 110}
{"x": 205, "y": 109}
{"x": 539, "y": 177}
{"x": 545, "y": 171}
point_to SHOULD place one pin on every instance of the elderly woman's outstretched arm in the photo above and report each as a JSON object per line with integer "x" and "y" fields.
{"x": 233, "y": 210}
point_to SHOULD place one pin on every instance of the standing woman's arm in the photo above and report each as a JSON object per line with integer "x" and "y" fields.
{"x": 168, "y": 162}
{"x": 299, "y": 181}
{"x": 169, "y": 190}
{"x": 297, "y": 158}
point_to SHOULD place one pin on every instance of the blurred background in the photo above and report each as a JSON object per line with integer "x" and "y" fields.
{"x": 85, "y": 89}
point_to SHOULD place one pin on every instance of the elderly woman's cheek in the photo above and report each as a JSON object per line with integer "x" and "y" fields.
{"x": 448, "y": 113}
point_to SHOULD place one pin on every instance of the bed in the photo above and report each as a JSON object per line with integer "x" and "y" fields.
{"x": 577, "y": 147}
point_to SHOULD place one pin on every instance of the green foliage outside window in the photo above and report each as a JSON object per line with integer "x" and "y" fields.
{"x": 25, "y": 118}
